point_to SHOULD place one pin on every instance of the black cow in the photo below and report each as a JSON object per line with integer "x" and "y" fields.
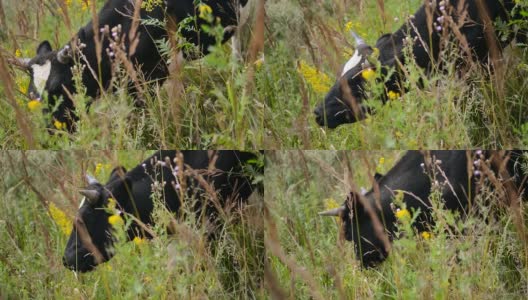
{"x": 412, "y": 174}
{"x": 51, "y": 71}
{"x": 344, "y": 102}
{"x": 212, "y": 179}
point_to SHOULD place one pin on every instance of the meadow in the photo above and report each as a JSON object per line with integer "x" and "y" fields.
{"x": 216, "y": 104}
{"x": 307, "y": 257}
{"x": 455, "y": 108}
{"x": 39, "y": 200}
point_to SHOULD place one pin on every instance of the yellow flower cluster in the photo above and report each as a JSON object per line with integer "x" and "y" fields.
{"x": 149, "y": 5}
{"x": 356, "y": 26}
{"x": 59, "y": 125}
{"x": 34, "y": 105}
{"x": 116, "y": 220}
{"x": 403, "y": 214}
{"x": 330, "y": 203}
{"x": 102, "y": 168}
{"x": 60, "y": 218}
{"x": 319, "y": 81}
{"x": 85, "y": 4}
{"x": 427, "y": 235}
{"x": 205, "y": 11}
{"x": 139, "y": 241}
{"x": 393, "y": 95}
{"x": 111, "y": 204}
{"x": 368, "y": 74}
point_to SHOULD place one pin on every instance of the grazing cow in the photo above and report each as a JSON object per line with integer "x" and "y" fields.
{"x": 424, "y": 31}
{"x": 51, "y": 71}
{"x": 214, "y": 180}
{"x": 413, "y": 175}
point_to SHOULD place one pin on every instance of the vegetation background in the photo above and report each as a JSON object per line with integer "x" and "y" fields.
{"x": 39, "y": 200}
{"x": 309, "y": 42}
{"x": 480, "y": 257}
{"x": 220, "y": 106}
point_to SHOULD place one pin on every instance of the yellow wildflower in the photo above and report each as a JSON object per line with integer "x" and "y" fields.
{"x": 60, "y": 218}
{"x": 381, "y": 161}
{"x": 205, "y": 11}
{"x": 330, "y": 203}
{"x": 368, "y": 74}
{"x": 116, "y": 220}
{"x": 398, "y": 134}
{"x": 426, "y": 235}
{"x": 102, "y": 169}
{"x": 18, "y": 53}
{"x": 349, "y": 25}
{"x": 68, "y": 2}
{"x": 319, "y": 81}
{"x": 22, "y": 89}
{"x": 111, "y": 204}
{"x": 139, "y": 241}
{"x": 149, "y": 5}
{"x": 356, "y": 27}
{"x": 393, "y": 95}
{"x": 403, "y": 214}
{"x": 59, "y": 125}
{"x": 85, "y": 4}
{"x": 34, "y": 105}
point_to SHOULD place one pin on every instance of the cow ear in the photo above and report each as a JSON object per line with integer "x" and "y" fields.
{"x": 44, "y": 47}
{"x": 384, "y": 39}
{"x": 117, "y": 172}
{"x": 354, "y": 202}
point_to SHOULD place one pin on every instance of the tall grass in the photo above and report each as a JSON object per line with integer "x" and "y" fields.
{"x": 214, "y": 106}
{"x": 454, "y": 108}
{"x": 37, "y": 186}
{"x": 479, "y": 257}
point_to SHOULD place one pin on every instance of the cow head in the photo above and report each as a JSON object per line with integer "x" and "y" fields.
{"x": 359, "y": 228}
{"x": 91, "y": 240}
{"x": 51, "y": 75}
{"x": 343, "y": 103}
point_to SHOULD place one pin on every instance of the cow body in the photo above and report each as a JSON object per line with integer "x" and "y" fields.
{"x": 54, "y": 67}
{"x": 424, "y": 30}
{"x": 212, "y": 180}
{"x": 415, "y": 175}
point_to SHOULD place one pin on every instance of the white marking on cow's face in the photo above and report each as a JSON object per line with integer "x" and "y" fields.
{"x": 82, "y": 202}
{"x": 352, "y": 62}
{"x": 40, "y": 75}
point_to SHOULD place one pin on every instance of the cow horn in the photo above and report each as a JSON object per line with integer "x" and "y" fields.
{"x": 91, "y": 180}
{"x": 64, "y": 55}
{"x": 358, "y": 39}
{"x": 91, "y": 195}
{"x": 333, "y": 212}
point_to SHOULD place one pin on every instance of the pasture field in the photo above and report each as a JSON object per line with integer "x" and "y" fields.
{"x": 307, "y": 259}
{"x": 39, "y": 199}
{"x": 458, "y": 108}
{"x": 220, "y": 105}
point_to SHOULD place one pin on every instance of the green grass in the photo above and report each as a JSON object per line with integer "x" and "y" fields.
{"x": 180, "y": 266}
{"x": 465, "y": 258}
{"x": 217, "y": 109}
{"x": 451, "y": 111}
